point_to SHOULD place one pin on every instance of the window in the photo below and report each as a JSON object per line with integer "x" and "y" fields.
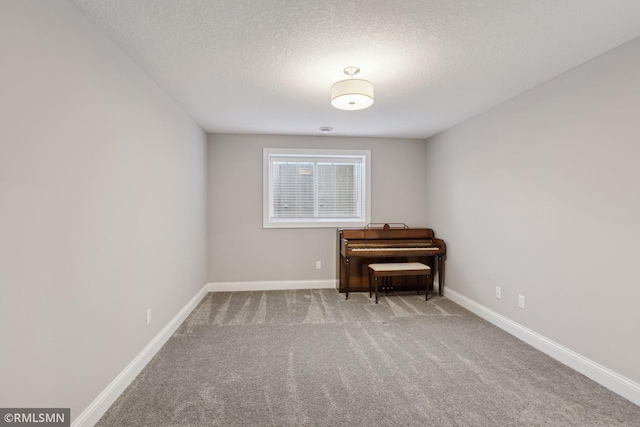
{"x": 316, "y": 188}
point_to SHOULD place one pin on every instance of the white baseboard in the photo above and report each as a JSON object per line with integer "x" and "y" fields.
{"x": 613, "y": 381}
{"x": 92, "y": 414}
{"x": 270, "y": 286}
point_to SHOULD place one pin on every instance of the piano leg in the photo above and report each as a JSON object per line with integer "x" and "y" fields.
{"x": 346, "y": 284}
{"x": 440, "y": 275}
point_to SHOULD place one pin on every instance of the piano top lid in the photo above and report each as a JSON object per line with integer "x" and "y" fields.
{"x": 387, "y": 233}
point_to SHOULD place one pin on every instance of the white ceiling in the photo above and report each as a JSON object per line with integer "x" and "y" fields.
{"x": 266, "y": 66}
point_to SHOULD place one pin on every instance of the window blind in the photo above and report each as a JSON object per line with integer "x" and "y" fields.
{"x": 311, "y": 187}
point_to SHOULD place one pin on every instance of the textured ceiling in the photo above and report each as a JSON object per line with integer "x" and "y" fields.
{"x": 266, "y": 66}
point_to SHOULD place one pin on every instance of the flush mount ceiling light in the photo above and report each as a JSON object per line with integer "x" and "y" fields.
{"x": 352, "y": 94}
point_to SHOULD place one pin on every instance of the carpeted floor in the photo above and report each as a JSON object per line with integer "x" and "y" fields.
{"x": 310, "y": 358}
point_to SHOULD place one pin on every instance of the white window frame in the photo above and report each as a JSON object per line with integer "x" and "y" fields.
{"x": 269, "y": 222}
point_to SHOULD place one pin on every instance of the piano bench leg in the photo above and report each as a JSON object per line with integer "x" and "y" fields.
{"x": 376, "y": 280}
{"x": 426, "y": 289}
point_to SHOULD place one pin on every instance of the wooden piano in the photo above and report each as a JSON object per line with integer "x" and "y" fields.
{"x": 391, "y": 243}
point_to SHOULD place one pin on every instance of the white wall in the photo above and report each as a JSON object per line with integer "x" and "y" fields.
{"x": 241, "y": 250}
{"x": 541, "y": 196}
{"x": 102, "y": 207}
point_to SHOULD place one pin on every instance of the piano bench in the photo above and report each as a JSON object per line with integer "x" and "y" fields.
{"x": 389, "y": 269}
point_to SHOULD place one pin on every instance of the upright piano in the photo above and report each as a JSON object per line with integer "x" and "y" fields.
{"x": 359, "y": 247}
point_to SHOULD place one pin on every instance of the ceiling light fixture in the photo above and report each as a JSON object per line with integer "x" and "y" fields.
{"x": 352, "y": 94}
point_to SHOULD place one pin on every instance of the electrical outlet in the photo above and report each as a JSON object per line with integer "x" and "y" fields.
{"x": 498, "y": 292}
{"x": 318, "y": 265}
{"x": 520, "y": 301}
{"x": 149, "y": 317}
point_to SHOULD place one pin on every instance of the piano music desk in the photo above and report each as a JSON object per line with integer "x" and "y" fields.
{"x": 389, "y": 269}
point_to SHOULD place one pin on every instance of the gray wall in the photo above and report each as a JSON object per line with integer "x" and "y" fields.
{"x": 241, "y": 250}
{"x": 102, "y": 207}
{"x": 541, "y": 196}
